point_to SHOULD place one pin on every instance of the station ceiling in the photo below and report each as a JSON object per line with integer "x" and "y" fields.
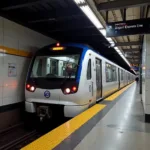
{"x": 64, "y": 21}
{"x": 134, "y": 9}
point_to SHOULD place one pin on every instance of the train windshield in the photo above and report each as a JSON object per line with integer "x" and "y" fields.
{"x": 60, "y": 66}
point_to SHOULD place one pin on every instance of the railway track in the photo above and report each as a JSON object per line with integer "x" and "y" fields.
{"x": 9, "y": 129}
{"x": 16, "y": 137}
{"x": 21, "y": 141}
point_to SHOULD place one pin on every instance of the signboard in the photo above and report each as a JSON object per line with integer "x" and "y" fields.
{"x": 136, "y": 68}
{"x": 131, "y": 27}
{"x": 12, "y": 72}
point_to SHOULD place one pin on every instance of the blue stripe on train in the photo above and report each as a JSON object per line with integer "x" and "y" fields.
{"x": 85, "y": 48}
{"x": 80, "y": 64}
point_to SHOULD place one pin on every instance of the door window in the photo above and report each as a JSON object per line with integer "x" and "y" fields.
{"x": 111, "y": 73}
{"x": 89, "y": 74}
{"x": 121, "y": 74}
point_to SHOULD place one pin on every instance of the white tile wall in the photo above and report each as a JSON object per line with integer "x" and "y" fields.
{"x": 15, "y": 36}
{"x": 11, "y": 42}
{"x": 1, "y": 96}
{"x": 145, "y": 74}
{"x": 1, "y": 68}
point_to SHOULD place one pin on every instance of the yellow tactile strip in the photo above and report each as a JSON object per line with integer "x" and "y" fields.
{"x": 115, "y": 95}
{"x": 12, "y": 51}
{"x": 56, "y": 136}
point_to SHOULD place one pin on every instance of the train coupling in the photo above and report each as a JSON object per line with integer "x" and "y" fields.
{"x": 44, "y": 112}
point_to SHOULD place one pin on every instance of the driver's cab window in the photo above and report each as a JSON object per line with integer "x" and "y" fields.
{"x": 39, "y": 70}
{"x": 55, "y": 66}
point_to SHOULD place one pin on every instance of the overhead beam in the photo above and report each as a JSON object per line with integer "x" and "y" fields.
{"x": 134, "y": 53}
{"x": 132, "y": 56}
{"x": 120, "y": 4}
{"x": 133, "y": 61}
{"x": 25, "y": 4}
{"x": 147, "y": 11}
{"x": 127, "y": 43}
{"x": 130, "y": 59}
{"x": 142, "y": 9}
{"x": 131, "y": 50}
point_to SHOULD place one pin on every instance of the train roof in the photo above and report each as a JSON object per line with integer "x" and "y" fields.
{"x": 83, "y": 46}
{"x": 79, "y": 45}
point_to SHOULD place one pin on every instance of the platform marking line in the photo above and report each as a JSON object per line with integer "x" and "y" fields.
{"x": 56, "y": 136}
{"x": 115, "y": 95}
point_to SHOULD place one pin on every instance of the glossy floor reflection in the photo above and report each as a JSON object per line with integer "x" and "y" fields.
{"x": 123, "y": 127}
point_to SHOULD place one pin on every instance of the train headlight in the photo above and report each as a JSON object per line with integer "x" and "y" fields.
{"x": 70, "y": 90}
{"x": 30, "y": 88}
{"x": 67, "y": 90}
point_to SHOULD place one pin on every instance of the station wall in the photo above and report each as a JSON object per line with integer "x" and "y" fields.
{"x": 17, "y": 43}
{"x": 146, "y": 76}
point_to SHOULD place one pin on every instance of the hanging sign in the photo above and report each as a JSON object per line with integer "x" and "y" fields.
{"x": 130, "y": 27}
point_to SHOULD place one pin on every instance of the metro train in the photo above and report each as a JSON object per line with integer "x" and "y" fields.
{"x": 66, "y": 79}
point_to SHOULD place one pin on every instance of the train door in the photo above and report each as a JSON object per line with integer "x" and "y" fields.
{"x": 89, "y": 83}
{"x": 118, "y": 78}
{"x": 98, "y": 79}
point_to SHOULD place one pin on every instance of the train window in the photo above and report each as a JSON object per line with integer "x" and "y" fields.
{"x": 89, "y": 74}
{"x": 111, "y": 74}
{"x": 55, "y": 66}
{"x": 121, "y": 74}
{"x": 114, "y": 73}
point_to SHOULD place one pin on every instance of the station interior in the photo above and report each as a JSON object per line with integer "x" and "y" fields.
{"x": 102, "y": 102}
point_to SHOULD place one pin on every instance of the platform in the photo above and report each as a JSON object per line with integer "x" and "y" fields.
{"x": 117, "y": 123}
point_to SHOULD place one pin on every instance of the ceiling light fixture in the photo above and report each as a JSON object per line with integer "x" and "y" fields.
{"x": 103, "y": 32}
{"x": 79, "y": 1}
{"x": 89, "y": 13}
{"x": 93, "y": 18}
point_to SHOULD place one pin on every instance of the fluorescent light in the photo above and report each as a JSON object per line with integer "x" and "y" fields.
{"x": 103, "y": 31}
{"x": 93, "y": 18}
{"x": 112, "y": 42}
{"x": 89, "y": 13}
{"x": 109, "y": 39}
{"x": 116, "y": 48}
{"x": 126, "y": 61}
{"x": 120, "y": 53}
{"x": 79, "y": 1}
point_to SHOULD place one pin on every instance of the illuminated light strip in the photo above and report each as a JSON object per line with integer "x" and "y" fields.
{"x": 52, "y": 139}
{"x": 121, "y": 54}
{"x": 103, "y": 32}
{"x": 79, "y": 1}
{"x": 12, "y": 51}
{"x": 57, "y": 48}
{"x": 89, "y": 13}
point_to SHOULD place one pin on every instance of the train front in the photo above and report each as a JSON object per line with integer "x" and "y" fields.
{"x": 53, "y": 81}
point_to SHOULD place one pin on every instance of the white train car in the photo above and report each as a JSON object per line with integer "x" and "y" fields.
{"x": 66, "y": 79}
